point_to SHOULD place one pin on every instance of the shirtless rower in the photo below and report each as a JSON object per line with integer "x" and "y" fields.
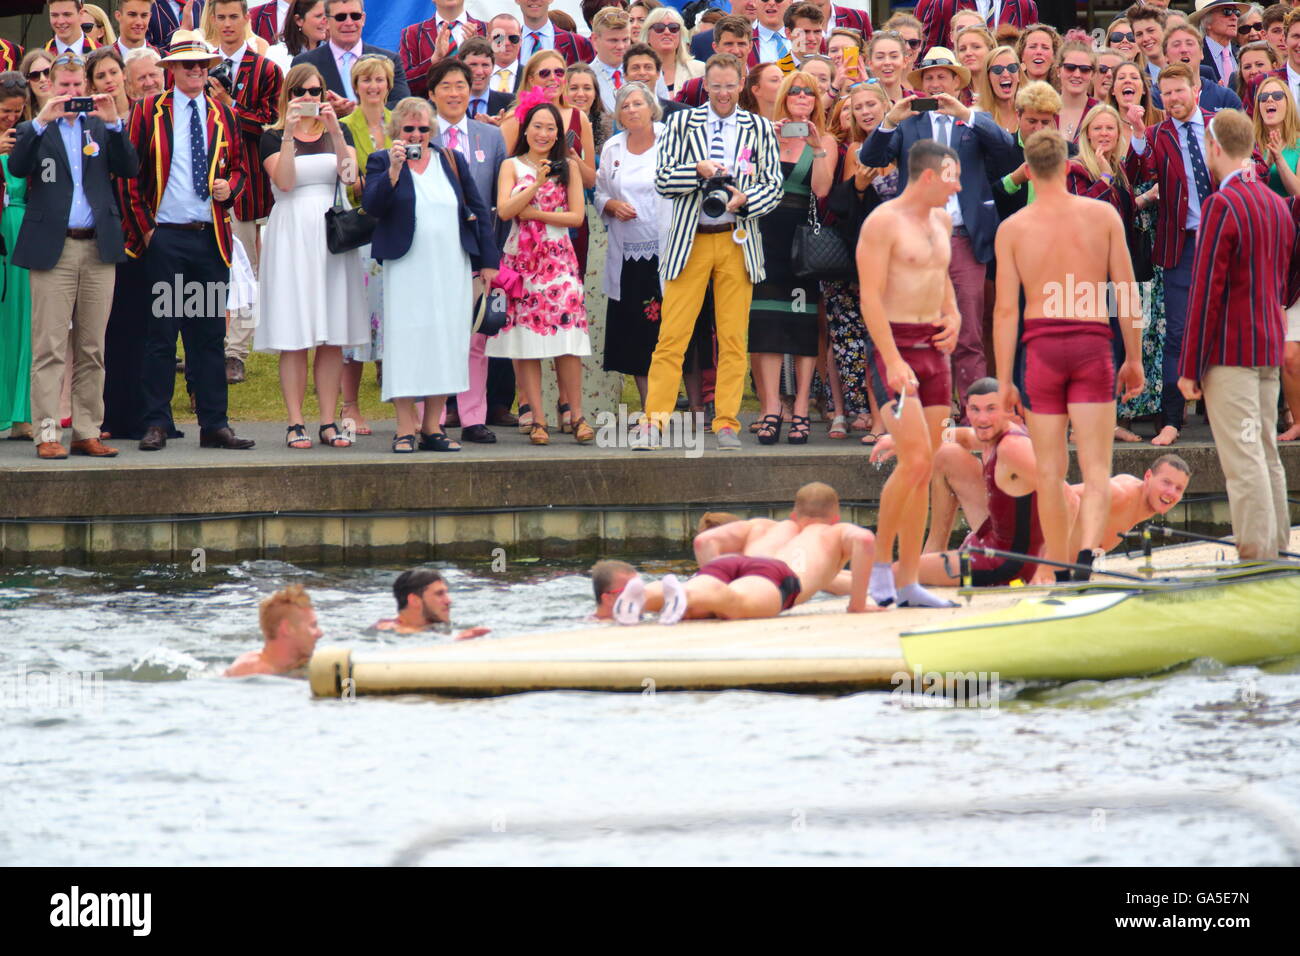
{"x": 1134, "y": 500}
{"x": 1069, "y": 372}
{"x": 910, "y": 311}
{"x": 423, "y": 604}
{"x": 290, "y": 634}
{"x": 760, "y": 567}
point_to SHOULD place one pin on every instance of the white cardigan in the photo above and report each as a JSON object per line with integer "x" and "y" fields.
{"x": 607, "y": 188}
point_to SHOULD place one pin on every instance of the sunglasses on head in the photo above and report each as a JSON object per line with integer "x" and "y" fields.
{"x": 1119, "y": 37}
{"x": 1278, "y": 95}
{"x": 508, "y": 37}
{"x": 297, "y": 91}
{"x": 1077, "y": 67}
{"x": 801, "y": 91}
{"x": 548, "y": 72}
{"x": 415, "y": 129}
{"x": 38, "y": 74}
{"x": 1000, "y": 68}
{"x": 1244, "y": 28}
{"x": 341, "y": 17}
{"x": 68, "y": 59}
{"x": 666, "y": 28}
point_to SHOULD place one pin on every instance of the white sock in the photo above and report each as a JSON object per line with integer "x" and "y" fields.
{"x": 674, "y": 600}
{"x": 882, "y": 584}
{"x": 913, "y": 595}
{"x": 628, "y": 606}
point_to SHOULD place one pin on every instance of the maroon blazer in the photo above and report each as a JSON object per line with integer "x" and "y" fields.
{"x": 257, "y": 95}
{"x": 1080, "y": 182}
{"x": 935, "y": 14}
{"x": 1235, "y": 313}
{"x": 262, "y": 20}
{"x": 11, "y": 55}
{"x": 858, "y": 20}
{"x": 416, "y": 49}
{"x": 692, "y": 92}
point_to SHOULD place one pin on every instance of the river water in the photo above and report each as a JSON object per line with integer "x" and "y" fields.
{"x": 158, "y": 760}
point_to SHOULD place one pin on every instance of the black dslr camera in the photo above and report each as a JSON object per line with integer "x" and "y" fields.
{"x": 221, "y": 73}
{"x": 716, "y": 194}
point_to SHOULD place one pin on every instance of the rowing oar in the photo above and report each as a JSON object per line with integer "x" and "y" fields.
{"x": 1030, "y": 559}
{"x": 1149, "y": 529}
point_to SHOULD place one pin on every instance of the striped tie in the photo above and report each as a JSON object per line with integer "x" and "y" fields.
{"x": 717, "y": 150}
{"x": 782, "y": 50}
{"x": 536, "y": 37}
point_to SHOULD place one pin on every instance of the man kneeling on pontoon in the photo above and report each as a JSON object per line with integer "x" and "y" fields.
{"x": 760, "y": 567}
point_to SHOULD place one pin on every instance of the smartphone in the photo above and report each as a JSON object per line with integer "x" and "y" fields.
{"x": 925, "y": 105}
{"x": 80, "y": 104}
{"x": 309, "y": 109}
{"x": 792, "y": 129}
{"x": 571, "y": 138}
{"x": 851, "y": 54}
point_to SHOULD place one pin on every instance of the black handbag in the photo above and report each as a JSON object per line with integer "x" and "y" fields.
{"x": 346, "y": 229}
{"x": 819, "y": 252}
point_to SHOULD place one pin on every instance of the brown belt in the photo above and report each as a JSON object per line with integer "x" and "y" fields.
{"x": 187, "y": 226}
{"x": 717, "y": 227}
{"x": 81, "y": 233}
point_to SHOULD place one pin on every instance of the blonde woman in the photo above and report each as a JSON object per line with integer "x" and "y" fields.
{"x": 887, "y": 59}
{"x": 665, "y": 31}
{"x": 1076, "y": 66}
{"x": 1277, "y": 133}
{"x": 1037, "y": 49}
{"x": 1121, "y": 39}
{"x": 974, "y": 44}
{"x": 999, "y": 81}
{"x": 783, "y": 320}
{"x": 102, "y": 31}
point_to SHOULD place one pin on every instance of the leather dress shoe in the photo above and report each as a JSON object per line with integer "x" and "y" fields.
{"x": 500, "y": 415}
{"x": 94, "y": 448}
{"x": 50, "y": 450}
{"x": 234, "y": 370}
{"x": 478, "y": 433}
{"x": 223, "y": 437}
{"x": 155, "y": 439}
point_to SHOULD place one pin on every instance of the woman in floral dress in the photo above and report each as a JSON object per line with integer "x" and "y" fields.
{"x": 547, "y": 315}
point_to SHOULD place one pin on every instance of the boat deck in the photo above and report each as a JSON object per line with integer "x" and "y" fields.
{"x": 813, "y": 648}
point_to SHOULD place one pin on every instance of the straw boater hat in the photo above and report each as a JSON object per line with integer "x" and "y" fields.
{"x": 188, "y": 47}
{"x": 1209, "y": 6}
{"x": 938, "y": 57}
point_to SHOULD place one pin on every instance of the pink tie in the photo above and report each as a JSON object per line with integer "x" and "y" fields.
{"x": 453, "y": 137}
{"x": 1226, "y": 58}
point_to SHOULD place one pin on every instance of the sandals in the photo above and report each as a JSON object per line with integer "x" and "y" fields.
{"x": 583, "y": 433}
{"x": 839, "y": 427}
{"x": 800, "y": 429}
{"x": 566, "y": 423}
{"x": 437, "y": 441}
{"x": 769, "y": 429}
{"x": 525, "y": 426}
{"x": 335, "y": 441}
{"x": 538, "y": 435}
{"x": 870, "y": 438}
{"x": 861, "y": 423}
{"x": 359, "y": 426}
{"x": 404, "y": 444}
{"x": 296, "y": 437}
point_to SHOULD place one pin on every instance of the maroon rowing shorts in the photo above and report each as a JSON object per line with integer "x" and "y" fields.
{"x": 732, "y": 566}
{"x": 933, "y": 373}
{"x": 1067, "y": 361}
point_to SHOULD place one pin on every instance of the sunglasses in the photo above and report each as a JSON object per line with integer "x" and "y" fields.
{"x": 914, "y": 44}
{"x": 342, "y": 17}
{"x": 801, "y": 91}
{"x": 1103, "y": 69}
{"x": 926, "y": 64}
{"x": 549, "y": 72}
{"x": 508, "y": 37}
{"x": 1000, "y": 68}
{"x": 38, "y": 74}
{"x": 666, "y": 28}
{"x": 415, "y": 129}
{"x": 1118, "y": 37}
{"x": 316, "y": 91}
{"x": 88, "y": 28}
{"x": 1278, "y": 95}
{"x": 1243, "y": 29}
{"x": 1084, "y": 68}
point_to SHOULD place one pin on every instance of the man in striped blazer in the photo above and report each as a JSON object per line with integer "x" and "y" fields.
{"x": 11, "y": 55}
{"x": 266, "y": 20}
{"x": 727, "y": 248}
{"x": 170, "y": 16}
{"x": 65, "y": 24}
{"x": 1167, "y": 151}
{"x": 257, "y": 84}
{"x": 936, "y": 14}
{"x": 192, "y": 168}
{"x": 425, "y": 43}
{"x": 1236, "y": 329}
{"x": 847, "y": 17}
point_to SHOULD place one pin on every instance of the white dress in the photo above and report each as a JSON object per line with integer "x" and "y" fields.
{"x": 428, "y": 298}
{"x": 308, "y": 296}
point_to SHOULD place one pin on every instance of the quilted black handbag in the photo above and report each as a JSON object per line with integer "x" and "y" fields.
{"x": 819, "y": 252}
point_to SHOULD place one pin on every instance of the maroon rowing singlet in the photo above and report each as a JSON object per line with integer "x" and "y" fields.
{"x": 1012, "y": 522}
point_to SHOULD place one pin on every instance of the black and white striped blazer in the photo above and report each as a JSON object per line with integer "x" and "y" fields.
{"x": 684, "y": 144}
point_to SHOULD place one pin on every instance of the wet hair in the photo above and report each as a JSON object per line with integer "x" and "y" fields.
{"x": 603, "y": 574}
{"x": 411, "y": 582}
{"x": 817, "y": 499}
{"x": 927, "y": 154}
{"x": 280, "y": 605}
{"x": 1173, "y": 461}
{"x": 988, "y": 385}
{"x": 1046, "y": 152}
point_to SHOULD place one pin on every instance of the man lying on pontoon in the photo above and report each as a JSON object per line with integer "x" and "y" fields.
{"x": 423, "y": 604}
{"x": 760, "y": 567}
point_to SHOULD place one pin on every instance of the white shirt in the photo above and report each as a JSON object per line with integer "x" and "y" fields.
{"x": 123, "y": 49}
{"x": 990, "y": 10}
{"x": 512, "y": 73}
{"x": 485, "y": 10}
{"x": 281, "y": 11}
{"x": 1197, "y": 124}
{"x": 605, "y": 81}
{"x": 462, "y": 134}
{"x": 80, "y": 49}
{"x": 180, "y": 203}
{"x": 545, "y": 41}
{"x": 1293, "y": 81}
{"x": 458, "y": 27}
{"x": 945, "y": 136}
{"x": 237, "y": 57}
{"x": 768, "y": 52}
{"x": 730, "y": 137}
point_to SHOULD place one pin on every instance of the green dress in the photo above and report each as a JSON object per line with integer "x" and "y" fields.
{"x": 15, "y": 311}
{"x": 1291, "y": 156}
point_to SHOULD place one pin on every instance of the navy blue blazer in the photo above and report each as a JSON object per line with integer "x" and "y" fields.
{"x": 323, "y": 59}
{"x": 986, "y": 151}
{"x": 394, "y": 207}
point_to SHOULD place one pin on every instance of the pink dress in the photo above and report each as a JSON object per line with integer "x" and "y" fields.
{"x": 550, "y": 318}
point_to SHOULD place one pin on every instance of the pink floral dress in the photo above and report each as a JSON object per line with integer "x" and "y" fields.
{"x": 550, "y": 318}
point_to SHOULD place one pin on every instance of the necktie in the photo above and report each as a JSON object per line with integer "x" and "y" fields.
{"x": 1225, "y": 71}
{"x": 536, "y": 37}
{"x": 451, "y": 49}
{"x": 941, "y": 129}
{"x": 503, "y": 81}
{"x": 781, "y": 49}
{"x": 198, "y": 153}
{"x": 453, "y": 137}
{"x": 717, "y": 151}
{"x": 1199, "y": 172}
{"x": 346, "y": 75}
{"x": 233, "y": 67}
{"x": 618, "y": 79}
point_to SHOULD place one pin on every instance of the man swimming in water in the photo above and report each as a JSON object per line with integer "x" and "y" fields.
{"x": 423, "y": 603}
{"x": 910, "y": 311}
{"x": 1069, "y": 371}
{"x": 290, "y": 631}
{"x": 760, "y": 567}
{"x": 608, "y": 578}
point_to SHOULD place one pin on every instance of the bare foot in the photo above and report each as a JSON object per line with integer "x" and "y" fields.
{"x": 1168, "y": 435}
{"x": 1124, "y": 434}
{"x": 1291, "y": 434}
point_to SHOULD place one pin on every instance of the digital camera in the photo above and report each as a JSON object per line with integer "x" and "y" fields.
{"x": 716, "y": 194}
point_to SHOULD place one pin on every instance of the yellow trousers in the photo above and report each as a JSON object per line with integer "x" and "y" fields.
{"x": 718, "y": 257}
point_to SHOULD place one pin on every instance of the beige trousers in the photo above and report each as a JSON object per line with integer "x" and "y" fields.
{"x": 80, "y": 287}
{"x": 239, "y": 329}
{"x": 1242, "y": 402}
